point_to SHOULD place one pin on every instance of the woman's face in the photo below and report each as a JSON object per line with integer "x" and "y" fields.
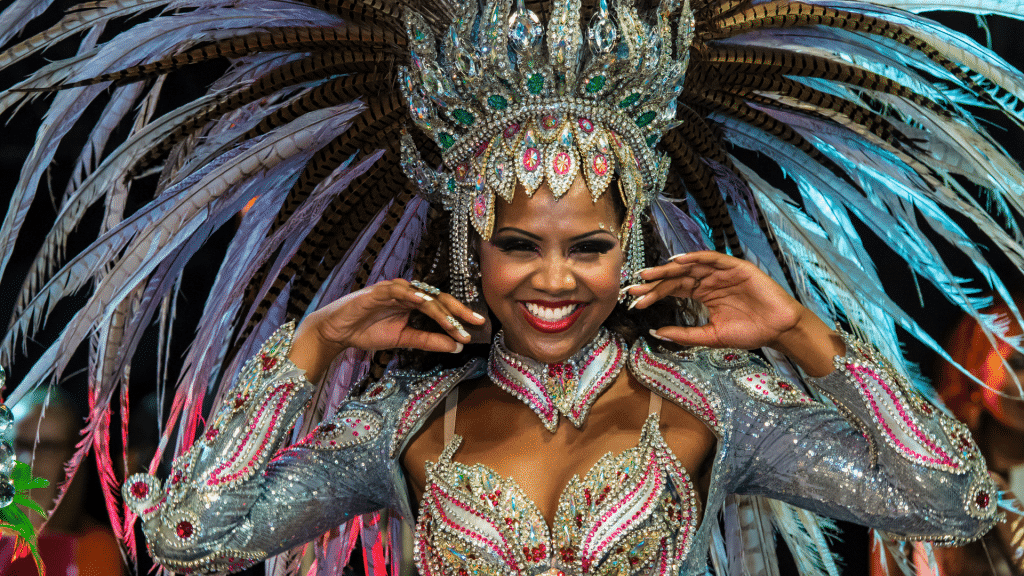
{"x": 550, "y": 271}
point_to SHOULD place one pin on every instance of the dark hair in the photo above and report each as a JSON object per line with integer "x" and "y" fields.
{"x": 434, "y": 258}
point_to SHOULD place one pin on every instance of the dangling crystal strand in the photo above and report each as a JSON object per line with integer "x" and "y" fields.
{"x": 684, "y": 37}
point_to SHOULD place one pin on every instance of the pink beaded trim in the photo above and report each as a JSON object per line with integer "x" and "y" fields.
{"x": 939, "y": 457}
{"x": 277, "y": 401}
{"x": 426, "y": 393}
{"x": 683, "y": 393}
{"x": 500, "y": 549}
{"x": 642, "y": 487}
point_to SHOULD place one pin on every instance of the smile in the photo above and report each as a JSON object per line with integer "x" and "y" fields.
{"x": 551, "y": 317}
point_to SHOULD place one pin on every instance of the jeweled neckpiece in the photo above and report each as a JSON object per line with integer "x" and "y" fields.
{"x": 570, "y": 387}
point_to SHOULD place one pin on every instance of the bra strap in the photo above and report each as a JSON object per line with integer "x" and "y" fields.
{"x": 655, "y": 406}
{"x": 451, "y": 404}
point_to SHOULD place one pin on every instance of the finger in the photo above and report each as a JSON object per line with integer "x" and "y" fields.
{"x": 684, "y": 287}
{"x": 433, "y": 307}
{"x": 708, "y": 257}
{"x": 460, "y": 310}
{"x": 687, "y": 336}
{"x": 429, "y": 341}
{"x": 446, "y": 320}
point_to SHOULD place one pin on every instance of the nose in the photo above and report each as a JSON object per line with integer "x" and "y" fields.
{"x": 554, "y": 275}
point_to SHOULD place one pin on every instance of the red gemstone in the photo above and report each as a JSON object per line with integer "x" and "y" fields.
{"x": 140, "y": 489}
{"x": 268, "y": 362}
{"x": 327, "y": 428}
{"x": 211, "y": 433}
{"x": 376, "y": 391}
{"x": 982, "y": 500}
{"x": 176, "y": 477}
{"x": 731, "y": 357}
{"x": 239, "y": 401}
{"x": 184, "y": 530}
{"x": 785, "y": 386}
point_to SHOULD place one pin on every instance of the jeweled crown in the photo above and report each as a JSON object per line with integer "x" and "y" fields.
{"x": 507, "y": 101}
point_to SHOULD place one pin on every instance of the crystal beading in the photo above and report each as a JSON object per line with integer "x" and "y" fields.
{"x": 570, "y": 387}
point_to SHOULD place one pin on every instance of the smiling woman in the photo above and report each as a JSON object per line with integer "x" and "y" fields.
{"x": 551, "y": 271}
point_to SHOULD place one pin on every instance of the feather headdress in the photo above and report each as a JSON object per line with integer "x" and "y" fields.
{"x": 865, "y": 107}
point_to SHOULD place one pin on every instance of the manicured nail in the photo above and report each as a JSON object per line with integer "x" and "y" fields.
{"x": 635, "y": 302}
{"x": 477, "y": 316}
{"x": 463, "y": 333}
{"x": 655, "y": 334}
{"x": 674, "y": 256}
{"x": 626, "y": 289}
{"x": 423, "y": 296}
{"x": 458, "y": 348}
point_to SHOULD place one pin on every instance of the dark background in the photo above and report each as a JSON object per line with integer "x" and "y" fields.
{"x": 18, "y": 133}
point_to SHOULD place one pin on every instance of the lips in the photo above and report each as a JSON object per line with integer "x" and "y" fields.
{"x": 551, "y": 317}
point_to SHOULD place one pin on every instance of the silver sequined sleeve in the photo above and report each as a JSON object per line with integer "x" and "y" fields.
{"x": 883, "y": 456}
{"x": 236, "y": 497}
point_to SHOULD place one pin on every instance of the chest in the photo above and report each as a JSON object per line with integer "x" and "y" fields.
{"x": 505, "y": 437}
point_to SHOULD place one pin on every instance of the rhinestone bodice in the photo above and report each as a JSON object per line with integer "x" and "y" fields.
{"x": 632, "y": 513}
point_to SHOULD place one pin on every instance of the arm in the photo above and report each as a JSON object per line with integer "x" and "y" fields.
{"x": 234, "y": 498}
{"x": 883, "y": 457}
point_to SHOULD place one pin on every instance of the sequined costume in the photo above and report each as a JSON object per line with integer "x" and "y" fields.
{"x": 883, "y": 457}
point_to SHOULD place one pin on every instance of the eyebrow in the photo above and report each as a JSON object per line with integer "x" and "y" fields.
{"x": 538, "y": 238}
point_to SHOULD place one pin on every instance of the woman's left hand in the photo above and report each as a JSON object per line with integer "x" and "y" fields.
{"x": 747, "y": 309}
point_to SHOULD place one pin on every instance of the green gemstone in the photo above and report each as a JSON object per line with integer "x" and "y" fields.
{"x": 595, "y": 84}
{"x": 420, "y": 36}
{"x": 645, "y": 118}
{"x": 451, "y": 184}
{"x": 446, "y": 139}
{"x": 652, "y": 140}
{"x": 497, "y": 101}
{"x": 463, "y": 117}
{"x": 535, "y": 83}
{"x": 629, "y": 100}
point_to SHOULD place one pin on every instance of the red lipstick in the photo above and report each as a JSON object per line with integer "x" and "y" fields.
{"x": 552, "y": 327}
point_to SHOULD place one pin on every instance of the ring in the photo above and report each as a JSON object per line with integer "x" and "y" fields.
{"x": 455, "y": 323}
{"x": 425, "y": 288}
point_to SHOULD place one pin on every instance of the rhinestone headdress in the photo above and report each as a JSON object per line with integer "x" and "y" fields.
{"x": 507, "y": 102}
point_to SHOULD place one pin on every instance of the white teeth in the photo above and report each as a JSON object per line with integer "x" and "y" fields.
{"x": 550, "y": 314}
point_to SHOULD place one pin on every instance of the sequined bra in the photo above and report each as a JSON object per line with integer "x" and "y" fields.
{"x": 633, "y": 513}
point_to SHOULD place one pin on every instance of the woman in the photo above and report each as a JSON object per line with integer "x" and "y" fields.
{"x": 638, "y": 483}
{"x": 495, "y": 113}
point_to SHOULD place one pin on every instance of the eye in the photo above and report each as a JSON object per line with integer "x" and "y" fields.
{"x": 592, "y": 247}
{"x": 514, "y": 245}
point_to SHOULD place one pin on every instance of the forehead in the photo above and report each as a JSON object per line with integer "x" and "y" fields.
{"x": 576, "y": 209}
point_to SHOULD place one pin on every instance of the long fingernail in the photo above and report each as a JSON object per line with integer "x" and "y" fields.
{"x": 458, "y": 348}
{"x": 635, "y": 302}
{"x": 463, "y": 333}
{"x": 655, "y": 334}
{"x": 422, "y": 295}
{"x": 477, "y": 316}
{"x": 626, "y": 289}
{"x": 674, "y": 256}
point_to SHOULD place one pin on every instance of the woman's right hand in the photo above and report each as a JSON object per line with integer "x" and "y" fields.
{"x": 377, "y": 318}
